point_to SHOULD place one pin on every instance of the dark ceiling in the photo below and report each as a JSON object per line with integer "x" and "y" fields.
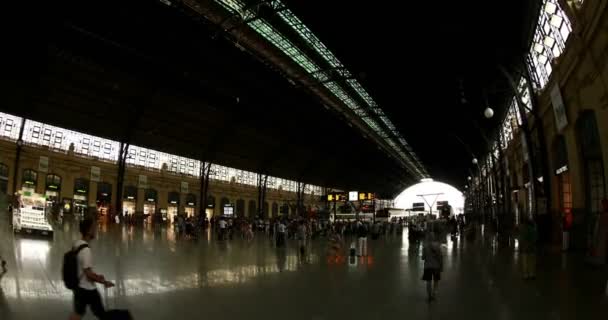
{"x": 413, "y": 58}
{"x": 163, "y": 79}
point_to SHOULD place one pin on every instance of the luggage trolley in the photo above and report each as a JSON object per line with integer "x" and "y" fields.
{"x": 31, "y": 216}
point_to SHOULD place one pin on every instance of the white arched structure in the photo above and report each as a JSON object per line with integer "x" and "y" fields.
{"x": 448, "y": 193}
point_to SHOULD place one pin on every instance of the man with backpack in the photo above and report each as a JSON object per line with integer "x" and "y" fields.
{"x": 78, "y": 274}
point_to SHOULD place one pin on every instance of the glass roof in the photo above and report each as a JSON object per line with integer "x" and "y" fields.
{"x": 85, "y": 145}
{"x": 271, "y": 34}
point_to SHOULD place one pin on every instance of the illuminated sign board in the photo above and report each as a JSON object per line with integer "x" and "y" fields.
{"x": 350, "y": 196}
{"x": 561, "y": 170}
{"x": 366, "y": 196}
{"x": 336, "y": 196}
{"x": 418, "y": 206}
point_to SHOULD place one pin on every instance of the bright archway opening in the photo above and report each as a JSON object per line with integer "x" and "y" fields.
{"x": 431, "y": 193}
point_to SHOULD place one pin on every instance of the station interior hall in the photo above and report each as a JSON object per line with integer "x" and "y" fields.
{"x": 272, "y": 159}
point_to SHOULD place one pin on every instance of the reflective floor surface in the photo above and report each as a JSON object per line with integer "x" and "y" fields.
{"x": 159, "y": 277}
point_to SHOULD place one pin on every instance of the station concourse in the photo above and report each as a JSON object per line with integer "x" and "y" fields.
{"x": 266, "y": 159}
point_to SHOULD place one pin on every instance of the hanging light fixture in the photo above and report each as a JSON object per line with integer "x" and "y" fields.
{"x": 475, "y": 161}
{"x": 488, "y": 113}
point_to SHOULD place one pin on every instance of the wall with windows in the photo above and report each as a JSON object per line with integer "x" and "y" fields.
{"x": 569, "y": 53}
{"x": 69, "y": 166}
{"x": 61, "y": 140}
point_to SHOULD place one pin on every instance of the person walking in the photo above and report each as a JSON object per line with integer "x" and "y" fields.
{"x": 281, "y": 233}
{"x": 362, "y": 238}
{"x": 528, "y": 240}
{"x": 3, "y": 268}
{"x": 302, "y": 234}
{"x": 86, "y": 293}
{"x": 222, "y": 232}
{"x": 433, "y": 265}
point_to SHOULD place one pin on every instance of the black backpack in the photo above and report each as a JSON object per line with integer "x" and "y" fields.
{"x": 70, "y": 267}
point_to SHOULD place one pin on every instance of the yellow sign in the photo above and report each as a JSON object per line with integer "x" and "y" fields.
{"x": 366, "y": 196}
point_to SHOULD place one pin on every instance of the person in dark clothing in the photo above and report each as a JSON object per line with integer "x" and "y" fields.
{"x": 3, "y": 268}
{"x": 362, "y": 238}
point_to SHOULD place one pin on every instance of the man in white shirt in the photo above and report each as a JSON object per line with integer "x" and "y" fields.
{"x": 86, "y": 294}
{"x": 281, "y": 229}
{"x": 223, "y": 225}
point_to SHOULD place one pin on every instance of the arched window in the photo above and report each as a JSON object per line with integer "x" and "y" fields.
{"x": 266, "y": 209}
{"x": 275, "y": 209}
{"x": 252, "y": 208}
{"x": 240, "y": 207}
{"x": 30, "y": 177}
{"x": 3, "y": 171}
{"x": 130, "y": 193}
{"x": 191, "y": 199}
{"x": 173, "y": 198}
{"x": 81, "y": 186}
{"x": 104, "y": 191}
{"x": 53, "y": 182}
{"x": 285, "y": 209}
{"x": 210, "y": 202}
{"x": 150, "y": 195}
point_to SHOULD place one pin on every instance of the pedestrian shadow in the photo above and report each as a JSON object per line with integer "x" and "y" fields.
{"x": 281, "y": 259}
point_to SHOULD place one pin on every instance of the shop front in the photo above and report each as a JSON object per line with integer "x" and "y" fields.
{"x": 52, "y": 192}
{"x": 81, "y": 196}
{"x": 129, "y": 200}
{"x": 190, "y": 207}
{"x": 210, "y": 210}
{"x": 104, "y": 198}
{"x": 562, "y": 221}
{"x": 173, "y": 206}
{"x": 150, "y": 202}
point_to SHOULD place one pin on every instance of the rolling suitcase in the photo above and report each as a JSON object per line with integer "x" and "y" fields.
{"x": 115, "y": 314}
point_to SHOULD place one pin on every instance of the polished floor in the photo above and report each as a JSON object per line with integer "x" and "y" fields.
{"x": 160, "y": 277}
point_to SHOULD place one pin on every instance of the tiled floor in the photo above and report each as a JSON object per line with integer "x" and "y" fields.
{"x": 158, "y": 277}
